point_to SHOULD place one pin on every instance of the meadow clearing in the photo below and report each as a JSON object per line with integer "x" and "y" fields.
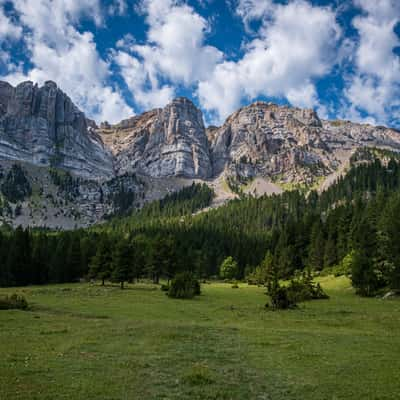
{"x": 84, "y": 341}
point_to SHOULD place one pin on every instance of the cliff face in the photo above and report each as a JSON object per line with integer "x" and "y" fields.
{"x": 117, "y": 167}
{"x": 289, "y": 144}
{"x": 161, "y": 143}
{"x": 42, "y": 126}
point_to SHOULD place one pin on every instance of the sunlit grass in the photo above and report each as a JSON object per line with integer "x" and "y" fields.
{"x": 88, "y": 342}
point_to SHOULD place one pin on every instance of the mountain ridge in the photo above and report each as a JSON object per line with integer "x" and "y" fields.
{"x": 261, "y": 148}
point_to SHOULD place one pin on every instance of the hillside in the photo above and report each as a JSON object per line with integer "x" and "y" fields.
{"x": 260, "y": 149}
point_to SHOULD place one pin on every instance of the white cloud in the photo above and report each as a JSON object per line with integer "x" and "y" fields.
{"x": 250, "y": 10}
{"x": 137, "y": 80}
{"x": 295, "y": 44}
{"x": 59, "y": 52}
{"x": 374, "y": 88}
{"x": 174, "y": 52}
{"x": 8, "y": 30}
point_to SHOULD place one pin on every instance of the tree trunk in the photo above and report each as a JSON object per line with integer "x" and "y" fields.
{"x": 122, "y": 285}
{"x": 102, "y": 282}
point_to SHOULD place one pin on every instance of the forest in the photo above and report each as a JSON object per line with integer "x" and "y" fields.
{"x": 351, "y": 229}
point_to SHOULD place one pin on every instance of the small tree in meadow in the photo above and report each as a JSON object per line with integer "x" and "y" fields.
{"x": 229, "y": 269}
{"x": 184, "y": 286}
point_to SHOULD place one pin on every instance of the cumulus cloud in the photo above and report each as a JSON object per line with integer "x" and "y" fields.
{"x": 374, "y": 88}
{"x": 7, "y": 28}
{"x": 59, "y": 52}
{"x": 174, "y": 51}
{"x": 286, "y": 48}
{"x": 295, "y": 44}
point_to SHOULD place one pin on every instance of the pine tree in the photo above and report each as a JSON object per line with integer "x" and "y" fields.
{"x": 101, "y": 264}
{"x": 122, "y": 262}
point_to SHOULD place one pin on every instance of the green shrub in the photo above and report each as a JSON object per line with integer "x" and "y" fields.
{"x": 235, "y": 286}
{"x": 184, "y": 286}
{"x": 229, "y": 269}
{"x": 300, "y": 289}
{"x": 280, "y": 299}
{"x": 13, "y": 302}
{"x": 304, "y": 288}
{"x": 164, "y": 288}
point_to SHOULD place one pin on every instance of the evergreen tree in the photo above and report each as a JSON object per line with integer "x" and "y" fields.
{"x": 122, "y": 262}
{"x": 101, "y": 264}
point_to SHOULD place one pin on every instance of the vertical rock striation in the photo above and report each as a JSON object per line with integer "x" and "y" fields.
{"x": 162, "y": 142}
{"x": 42, "y": 126}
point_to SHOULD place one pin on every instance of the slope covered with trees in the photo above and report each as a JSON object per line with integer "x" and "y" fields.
{"x": 352, "y": 227}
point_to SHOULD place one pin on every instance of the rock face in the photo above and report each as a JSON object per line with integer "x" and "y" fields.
{"x": 161, "y": 143}
{"x": 288, "y": 144}
{"x": 42, "y": 126}
{"x": 116, "y": 167}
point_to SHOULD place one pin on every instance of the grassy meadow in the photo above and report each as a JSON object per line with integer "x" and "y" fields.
{"x": 83, "y": 341}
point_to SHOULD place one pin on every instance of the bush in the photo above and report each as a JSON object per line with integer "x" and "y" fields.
{"x": 229, "y": 269}
{"x": 164, "y": 288}
{"x": 301, "y": 289}
{"x": 235, "y": 286}
{"x": 184, "y": 286}
{"x": 304, "y": 288}
{"x": 13, "y": 302}
{"x": 280, "y": 299}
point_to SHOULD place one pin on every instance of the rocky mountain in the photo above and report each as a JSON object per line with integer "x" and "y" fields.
{"x": 261, "y": 148}
{"x": 161, "y": 143}
{"x": 289, "y": 144}
{"x": 42, "y": 126}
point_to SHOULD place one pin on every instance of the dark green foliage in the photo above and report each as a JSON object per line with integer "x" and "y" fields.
{"x": 280, "y": 299}
{"x": 184, "y": 286}
{"x": 229, "y": 269}
{"x": 352, "y": 228}
{"x": 16, "y": 186}
{"x": 184, "y": 202}
{"x": 68, "y": 186}
{"x": 101, "y": 264}
{"x": 164, "y": 288}
{"x": 304, "y": 288}
{"x": 13, "y": 302}
{"x": 122, "y": 262}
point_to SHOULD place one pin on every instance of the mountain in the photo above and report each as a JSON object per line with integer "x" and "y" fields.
{"x": 289, "y": 144}
{"x": 80, "y": 173}
{"x": 161, "y": 143}
{"x": 42, "y": 126}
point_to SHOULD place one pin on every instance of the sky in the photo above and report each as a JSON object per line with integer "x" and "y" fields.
{"x": 118, "y": 58}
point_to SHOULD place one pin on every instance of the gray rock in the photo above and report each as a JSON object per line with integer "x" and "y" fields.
{"x": 288, "y": 143}
{"x": 42, "y": 126}
{"x": 162, "y": 142}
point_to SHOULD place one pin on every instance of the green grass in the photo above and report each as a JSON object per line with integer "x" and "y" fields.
{"x": 88, "y": 342}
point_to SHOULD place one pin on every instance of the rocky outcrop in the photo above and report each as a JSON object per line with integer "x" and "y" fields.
{"x": 117, "y": 167}
{"x": 161, "y": 143}
{"x": 264, "y": 139}
{"x": 42, "y": 126}
{"x": 289, "y": 144}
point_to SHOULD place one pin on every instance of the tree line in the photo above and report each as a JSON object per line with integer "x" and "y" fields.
{"x": 351, "y": 227}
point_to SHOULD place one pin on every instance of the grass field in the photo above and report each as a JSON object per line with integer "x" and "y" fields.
{"x": 87, "y": 342}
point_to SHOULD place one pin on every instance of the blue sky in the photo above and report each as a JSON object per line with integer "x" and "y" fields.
{"x": 117, "y": 58}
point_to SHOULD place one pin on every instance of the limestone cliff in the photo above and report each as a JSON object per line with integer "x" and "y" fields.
{"x": 42, "y": 126}
{"x": 161, "y": 143}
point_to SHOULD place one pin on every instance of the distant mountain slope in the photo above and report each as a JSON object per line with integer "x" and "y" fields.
{"x": 262, "y": 148}
{"x": 42, "y": 126}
